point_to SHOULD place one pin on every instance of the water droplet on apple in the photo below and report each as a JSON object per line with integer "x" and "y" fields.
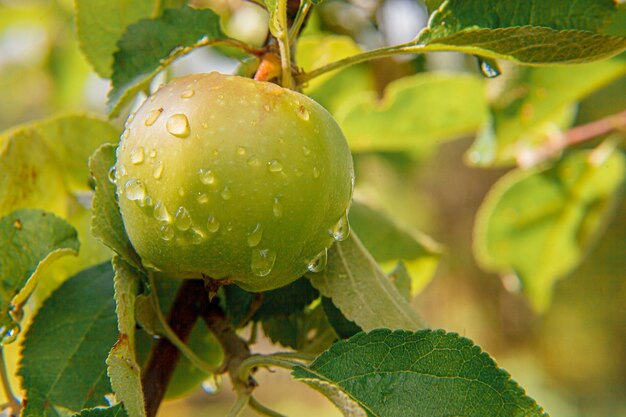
{"x": 253, "y": 161}
{"x": 206, "y": 176}
{"x": 241, "y": 150}
{"x": 137, "y": 155}
{"x": 277, "y": 208}
{"x": 152, "y": 117}
{"x": 197, "y": 237}
{"x": 183, "y": 219}
{"x": 187, "y": 94}
{"x": 152, "y": 153}
{"x": 178, "y": 125}
{"x": 254, "y": 237}
{"x": 226, "y": 194}
{"x": 274, "y": 166}
{"x": 135, "y": 190}
{"x": 161, "y": 213}
{"x": 262, "y": 261}
{"x": 319, "y": 262}
{"x": 203, "y": 198}
{"x": 126, "y": 133}
{"x": 305, "y": 150}
{"x": 158, "y": 171}
{"x": 341, "y": 229}
{"x": 166, "y": 231}
{"x": 316, "y": 172}
{"x": 213, "y": 225}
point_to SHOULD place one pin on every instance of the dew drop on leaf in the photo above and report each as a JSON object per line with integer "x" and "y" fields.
{"x": 488, "y": 68}
{"x": 319, "y": 262}
{"x": 213, "y": 384}
{"x": 112, "y": 174}
{"x": 262, "y": 261}
{"x": 178, "y": 125}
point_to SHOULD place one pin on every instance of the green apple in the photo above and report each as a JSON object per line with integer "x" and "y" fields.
{"x": 231, "y": 178}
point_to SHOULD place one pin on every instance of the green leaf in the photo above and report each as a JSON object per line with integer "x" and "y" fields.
{"x": 45, "y": 159}
{"x": 533, "y": 103}
{"x": 150, "y": 45}
{"x": 43, "y": 165}
{"x": 341, "y": 325}
{"x": 30, "y": 241}
{"x": 551, "y": 32}
{"x": 389, "y": 243}
{"x": 101, "y": 23}
{"x": 115, "y": 411}
{"x": 300, "y": 330}
{"x": 106, "y": 220}
{"x": 433, "y": 5}
{"x": 357, "y": 286}
{"x": 122, "y": 367}
{"x": 415, "y": 114}
{"x": 539, "y": 224}
{"x": 413, "y": 374}
{"x": 67, "y": 343}
{"x": 315, "y": 51}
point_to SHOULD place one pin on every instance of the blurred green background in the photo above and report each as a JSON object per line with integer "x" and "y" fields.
{"x": 571, "y": 357}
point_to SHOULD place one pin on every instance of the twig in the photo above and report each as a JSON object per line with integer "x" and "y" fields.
{"x": 239, "y": 405}
{"x": 262, "y": 409}
{"x": 171, "y": 335}
{"x": 256, "y": 361}
{"x": 299, "y": 20}
{"x": 164, "y": 355}
{"x": 574, "y": 136}
{"x": 282, "y": 36}
{"x": 235, "y": 349}
{"x": 12, "y": 402}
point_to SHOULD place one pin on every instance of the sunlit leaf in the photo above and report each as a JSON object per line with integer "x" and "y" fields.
{"x": 529, "y": 32}
{"x": 122, "y": 367}
{"x": 115, "y": 411}
{"x": 106, "y": 222}
{"x": 416, "y": 113}
{"x": 534, "y": 103}
{"x": 150, "y": 44}
{"x": 389, "y": 243}
{"x": 30, "y": 240}
{"x": 539, "y": 225}
{"x": 363, "y": 293}
{"x": 422, "y": 374}
{"x": 65, "y": 348}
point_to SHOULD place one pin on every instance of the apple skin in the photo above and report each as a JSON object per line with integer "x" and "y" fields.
{"x": 231, "y": 178}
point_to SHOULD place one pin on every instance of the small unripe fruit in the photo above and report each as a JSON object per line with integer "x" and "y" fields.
{"x": 234, "y": 179}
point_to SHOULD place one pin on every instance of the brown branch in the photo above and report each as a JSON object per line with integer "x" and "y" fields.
{"x": 574, "y": 136}
{"x": 190, "y": 300}
{"x": 235, "y": 348}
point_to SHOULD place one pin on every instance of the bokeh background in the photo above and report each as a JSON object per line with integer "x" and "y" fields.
{"x": 571, "y": 357}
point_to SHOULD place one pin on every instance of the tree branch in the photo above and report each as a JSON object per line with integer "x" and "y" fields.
{"x": 164, "y": 356}
{"x": 574, "y": 136}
